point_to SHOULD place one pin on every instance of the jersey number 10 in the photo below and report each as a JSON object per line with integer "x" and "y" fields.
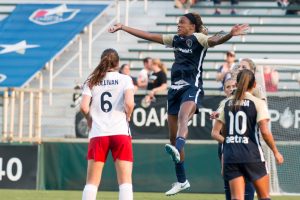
{"x": 234, "y": 121}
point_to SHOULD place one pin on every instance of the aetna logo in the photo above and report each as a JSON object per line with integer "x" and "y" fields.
{"x": 237, "y": 139}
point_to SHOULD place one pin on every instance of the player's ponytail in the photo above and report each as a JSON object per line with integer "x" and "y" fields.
{"x": 245, "y": 82}
{"x": 195, "y": 19}
{"x": 109, "y": 60}
{"x": 199, "y": 24}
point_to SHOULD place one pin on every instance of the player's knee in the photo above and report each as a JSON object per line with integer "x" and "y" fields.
{"x": 183, "y": 120}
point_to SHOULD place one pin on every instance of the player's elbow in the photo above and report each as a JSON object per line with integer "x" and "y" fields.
{"x": 212, "y": 42}
{"x": 214, "y": 135}
{"x": 129, "y": 105}
{"x": 84, "y": 109}
{"x": 264, "y": 128}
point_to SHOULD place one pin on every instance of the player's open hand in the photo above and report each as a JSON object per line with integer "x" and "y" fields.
{"x": 279, "y": 158}
{"x": 239, "y": 29}
{"x": 115, "y": 28}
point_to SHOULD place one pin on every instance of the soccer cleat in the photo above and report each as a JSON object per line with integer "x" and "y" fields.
{"x": 173, "y": 152}
{"x": 177, "y": 187}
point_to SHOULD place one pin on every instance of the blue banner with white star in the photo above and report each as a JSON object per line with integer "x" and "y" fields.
{"x": 34, "y": 33}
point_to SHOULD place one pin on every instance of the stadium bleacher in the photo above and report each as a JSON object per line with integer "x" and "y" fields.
{"x": 271, "y": 36}
{"x": 27, "y": 34}
{"x": 27, "y": 47}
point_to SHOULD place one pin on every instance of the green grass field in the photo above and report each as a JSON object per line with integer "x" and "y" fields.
{"x": 72, "y": 195}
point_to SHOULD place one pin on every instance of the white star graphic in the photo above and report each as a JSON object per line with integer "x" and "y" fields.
{"x": 19, "y": 47}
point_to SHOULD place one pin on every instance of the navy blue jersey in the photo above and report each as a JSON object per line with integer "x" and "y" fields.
{"x": 189, "y": 54}
{"x": 241, "y": 144}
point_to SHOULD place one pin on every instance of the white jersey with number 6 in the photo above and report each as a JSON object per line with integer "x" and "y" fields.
{"x": 107, "y": 107}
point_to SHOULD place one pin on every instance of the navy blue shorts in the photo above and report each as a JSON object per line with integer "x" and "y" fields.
{"x": 187, "y": 93}
{"x": 251, "y": 171}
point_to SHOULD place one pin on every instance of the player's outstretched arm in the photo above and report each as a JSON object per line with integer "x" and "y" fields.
{"x": 221, "y": 37}
{"x": 268, "y": 138}
{"x": 136, "y": 32}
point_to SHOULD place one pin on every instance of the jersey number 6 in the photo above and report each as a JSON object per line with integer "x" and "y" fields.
{"x": 106, "y": 105}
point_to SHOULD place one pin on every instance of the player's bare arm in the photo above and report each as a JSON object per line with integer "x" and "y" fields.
{"x": 215, "y": 133}
{"x": 221, "y": 37}
{"x": 129, "y": 103}
{"x": 268, "y": 138}
{"x": 85, "y": 106}
{"x": 85, "y": 109}
{"x": 136, "y": 32}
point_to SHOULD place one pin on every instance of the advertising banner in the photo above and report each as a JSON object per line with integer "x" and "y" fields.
{"x": 18, "y": 166}
{"x": 151, "y": 122}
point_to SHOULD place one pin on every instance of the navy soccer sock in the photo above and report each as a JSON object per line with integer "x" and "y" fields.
{"x": 249, "y": 191}
{"x": 180, "y": 172}
{"x": 227, "y": 190}
{"x": 180, "y": 141}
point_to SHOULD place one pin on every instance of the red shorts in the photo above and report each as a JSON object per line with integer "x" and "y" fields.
{"x": 120, "y": 146}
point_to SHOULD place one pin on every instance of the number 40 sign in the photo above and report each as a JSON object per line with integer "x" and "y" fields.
{"x": 8, "y": 169}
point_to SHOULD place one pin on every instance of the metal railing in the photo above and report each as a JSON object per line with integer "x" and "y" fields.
{"x": 21, "y": 114}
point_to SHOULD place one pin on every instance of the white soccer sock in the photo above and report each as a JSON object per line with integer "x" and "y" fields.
{"x": 125, "y": 191}
{"x": 89, "y": 192}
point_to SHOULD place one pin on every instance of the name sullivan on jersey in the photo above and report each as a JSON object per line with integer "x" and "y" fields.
{"x": 109, "y": 82}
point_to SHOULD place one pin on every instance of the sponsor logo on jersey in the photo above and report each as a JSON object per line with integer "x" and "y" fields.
{"x": 183, "y": 50}
{"x": 53, "y": 15}
{"x": 237, "y": 139}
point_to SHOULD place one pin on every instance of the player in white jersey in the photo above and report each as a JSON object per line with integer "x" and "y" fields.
{"x": 243, "y": 158}
{"x": 107, "y": 103}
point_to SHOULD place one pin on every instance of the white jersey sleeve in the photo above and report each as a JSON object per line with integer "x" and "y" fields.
{"x": 86, "y": 90}
{"x": 168, "y": 40}
{"x": 221, "y": 111}
{"x": 128, "y": 83}
{"x": 262, "y": 110}
{"x": 202, "y": 39}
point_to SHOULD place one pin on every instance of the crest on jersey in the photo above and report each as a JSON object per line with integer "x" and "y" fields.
{"x": 189, "y": 43}
{"x": 2, "y": 78}
{"x": 53, "y": 15}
